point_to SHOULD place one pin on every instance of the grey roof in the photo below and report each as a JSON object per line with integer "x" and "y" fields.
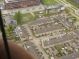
{"x": 61, "y": 39}
{"x": 49, "y": 27}
{"x": 74, "y": 55}
{"x": 46, "y": 24}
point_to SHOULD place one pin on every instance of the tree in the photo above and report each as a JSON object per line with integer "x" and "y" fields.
{"x": 18, "y": 17}
{"x": 9, "y": 32}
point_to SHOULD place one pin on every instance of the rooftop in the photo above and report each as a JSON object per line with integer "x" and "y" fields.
{"x": 21, "y": 4}
{"x": 60, "y": 39}
{"x": 45, "y": 24}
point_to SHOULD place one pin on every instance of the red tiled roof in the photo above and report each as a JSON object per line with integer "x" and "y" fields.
{"x": 21, "y": 4}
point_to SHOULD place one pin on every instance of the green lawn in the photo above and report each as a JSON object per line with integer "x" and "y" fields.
{"x": 24, "y": 18}
{"x": 29, "y": 17}
{"x": 48, "y": 2}
{"x": 73, "y": 3}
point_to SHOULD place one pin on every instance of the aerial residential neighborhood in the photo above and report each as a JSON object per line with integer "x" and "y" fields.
{"x": 48, "y": 29}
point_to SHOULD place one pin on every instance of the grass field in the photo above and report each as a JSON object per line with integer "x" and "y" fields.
{"x": 29, "y": 17}
{"x": 24, "y": 18}
{"x": 73, "y": 2}
{"x": 48, "y": 2}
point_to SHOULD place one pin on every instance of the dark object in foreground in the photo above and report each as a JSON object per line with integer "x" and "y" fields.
{"x": 17, "y": 52}
{"x": 4, "y": 37}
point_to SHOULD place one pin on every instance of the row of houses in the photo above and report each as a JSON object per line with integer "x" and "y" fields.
{"x": 48, "y": 26}
{"x": 10, "y": 4}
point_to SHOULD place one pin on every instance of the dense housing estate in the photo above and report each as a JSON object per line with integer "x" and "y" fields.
{"x": 48, "y": 30}
{"x": 20, "y": 4}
